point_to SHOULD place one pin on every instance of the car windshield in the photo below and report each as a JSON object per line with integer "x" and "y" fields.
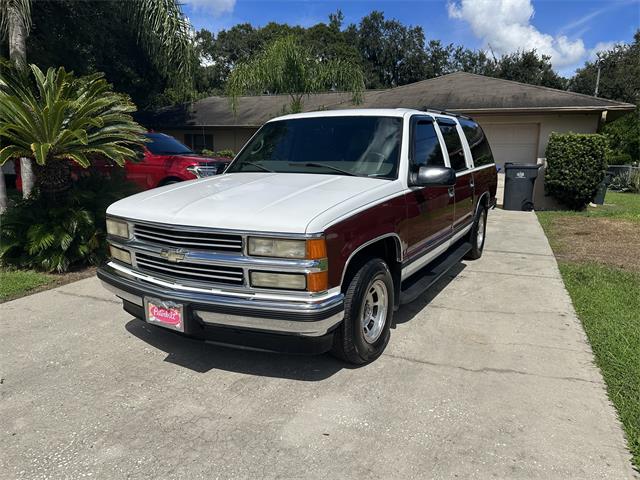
{"x": 365, "y": 146}
{"x": 161, "y": 144}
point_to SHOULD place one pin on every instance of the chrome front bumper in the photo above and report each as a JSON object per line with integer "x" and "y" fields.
{"x": 280, "y": 314}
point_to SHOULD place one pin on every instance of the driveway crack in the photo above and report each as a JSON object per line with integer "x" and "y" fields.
{"x": 488, "y": 369}
{"x": 89, "y": 297}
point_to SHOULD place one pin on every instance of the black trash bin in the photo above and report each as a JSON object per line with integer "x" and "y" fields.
{"x": 598, "y": 199}
{"x": 518, "y": 185}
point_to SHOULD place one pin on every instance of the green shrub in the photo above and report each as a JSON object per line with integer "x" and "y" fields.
{"x": 619, "y": 159}
{"x": 225, "y": 153}
{"x": 220, "y": 153}
{"x": 634, "y": 182}
{"x": 62, "y": 232}
{"x": 576, "y": 164}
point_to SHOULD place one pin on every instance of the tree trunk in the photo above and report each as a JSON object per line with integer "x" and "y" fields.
{"x": 18, "y": 55}
{"x": 4, "y": 200}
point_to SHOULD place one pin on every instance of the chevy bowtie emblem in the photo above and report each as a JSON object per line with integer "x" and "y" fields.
{"x": 174, "y": 256}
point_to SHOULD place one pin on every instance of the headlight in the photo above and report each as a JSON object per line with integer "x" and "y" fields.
{"x": 204, "y": 170}
{"x": 286, "y": 281}
{"x": 277, "y": 247}
{"x": 117, "y": 228}
{"x": 120, "y": 254}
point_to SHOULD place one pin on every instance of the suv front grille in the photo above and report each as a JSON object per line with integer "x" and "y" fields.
{"x": 194, "y": 272}
{"x": 189, "y": 239}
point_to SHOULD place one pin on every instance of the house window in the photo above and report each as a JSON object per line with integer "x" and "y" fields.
{"x": 199, "y": 141}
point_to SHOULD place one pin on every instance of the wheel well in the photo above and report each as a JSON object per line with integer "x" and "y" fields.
{"x": 484, "y": 200}
{"x": 388, "y": 250}
{"x": 166, "y": 181}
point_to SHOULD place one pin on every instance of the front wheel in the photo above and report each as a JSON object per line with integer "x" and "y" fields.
{"x": 368, "y": 310}
{"x": 478, "y": 234}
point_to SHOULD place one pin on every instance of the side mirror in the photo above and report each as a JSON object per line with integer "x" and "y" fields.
{"x": 435, "y": 177}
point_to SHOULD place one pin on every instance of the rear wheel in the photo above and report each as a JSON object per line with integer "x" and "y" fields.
{"x": 368, "y": 310}
{"x": 478, "y": 234}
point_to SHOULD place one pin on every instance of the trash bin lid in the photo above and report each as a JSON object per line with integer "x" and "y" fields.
{"x": 522, "y": 166}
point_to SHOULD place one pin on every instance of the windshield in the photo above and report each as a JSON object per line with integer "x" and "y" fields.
{"x": 364, "y": 146}
{"x": 161, "y": 144}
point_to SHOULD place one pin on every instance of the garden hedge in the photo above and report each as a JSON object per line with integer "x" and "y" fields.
{"x": 576, "y": 164}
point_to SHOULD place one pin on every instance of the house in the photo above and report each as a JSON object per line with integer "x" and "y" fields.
{"x": 517, "y": 118}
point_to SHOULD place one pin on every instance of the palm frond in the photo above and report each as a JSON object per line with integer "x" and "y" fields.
{"x": 165, "y": 33}
{"x": 287, "y": 67}
{"x": 54, "y": 115}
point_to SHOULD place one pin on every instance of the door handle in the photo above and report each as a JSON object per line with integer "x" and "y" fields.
{"x": 472, "y": 184}
{"x": 452, "y": 192}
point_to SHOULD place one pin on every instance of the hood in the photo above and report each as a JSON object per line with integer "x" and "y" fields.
{"x": 269, "y": 202}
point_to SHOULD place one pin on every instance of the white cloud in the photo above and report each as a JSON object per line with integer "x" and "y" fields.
{"x": 601, "y": 47}
{"x": 505, "y": 26}
{"x": 216, "y": 7}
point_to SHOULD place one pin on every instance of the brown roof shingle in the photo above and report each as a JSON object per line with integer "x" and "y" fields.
{"x": 459, "y": 92}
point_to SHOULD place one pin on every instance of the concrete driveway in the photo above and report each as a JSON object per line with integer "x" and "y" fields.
{"x": 489, "y": 375}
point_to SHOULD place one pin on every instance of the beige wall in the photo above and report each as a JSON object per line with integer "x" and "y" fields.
{"x": 546, "y": 124}
{"x": 224, "y": 138}
{"x": 569, "y": 122}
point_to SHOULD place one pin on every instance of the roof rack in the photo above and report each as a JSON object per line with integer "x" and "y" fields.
{"x": 445, "y": 112}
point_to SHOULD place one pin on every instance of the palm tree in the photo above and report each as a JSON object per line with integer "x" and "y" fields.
{"x": 55, "y": 119}
{"x": 287, "y": 67}
{"x": 163, "y": 31}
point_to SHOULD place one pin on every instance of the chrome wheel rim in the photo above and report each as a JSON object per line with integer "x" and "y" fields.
{"x": 480, "y": 234}
{"x": 374, "y": 311}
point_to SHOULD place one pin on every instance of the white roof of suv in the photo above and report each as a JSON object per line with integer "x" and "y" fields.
{"x": 359, "y": 112}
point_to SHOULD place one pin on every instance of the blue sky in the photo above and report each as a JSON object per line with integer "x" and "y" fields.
{"x": 571, "y": 31}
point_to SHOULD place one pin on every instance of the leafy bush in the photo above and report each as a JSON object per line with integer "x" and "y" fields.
{"x": 619, "y": 159}
{"x": 225, "y": 153}
{"x": 626, "y": 182}
{"x": 61, "y": 233}
{"x": 220, "y": 153}
{"x": 576, "y": 164}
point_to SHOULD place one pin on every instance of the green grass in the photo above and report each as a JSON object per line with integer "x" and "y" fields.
{"x": 607, "y": 301}
{"x": 16, "y": 283}
{"x": 623, "y": 206}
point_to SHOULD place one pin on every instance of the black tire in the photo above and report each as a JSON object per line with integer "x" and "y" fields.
{"x": 350, "y": 341}
{"x": 477, "y": 243}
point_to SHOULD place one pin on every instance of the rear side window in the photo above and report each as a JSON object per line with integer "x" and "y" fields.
{"x": 426, "y": 146}
{"x": 480, "y": 149}
{"x": 454, "y": 145}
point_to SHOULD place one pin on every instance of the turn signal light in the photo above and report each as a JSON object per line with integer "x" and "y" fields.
{"x": 318, "y": 281}
{"x": 316, "y": 249}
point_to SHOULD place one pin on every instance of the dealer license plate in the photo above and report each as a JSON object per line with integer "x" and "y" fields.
{"x": 165, "y": 313}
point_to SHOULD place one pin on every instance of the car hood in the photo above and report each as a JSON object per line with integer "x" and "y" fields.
{"x": 269, "y": 202}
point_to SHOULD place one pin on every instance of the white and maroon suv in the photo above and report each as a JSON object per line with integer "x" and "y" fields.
{"x": 318, "y": 230}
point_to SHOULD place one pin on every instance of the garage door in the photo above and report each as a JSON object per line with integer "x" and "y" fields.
{"x": 517, "y": 143}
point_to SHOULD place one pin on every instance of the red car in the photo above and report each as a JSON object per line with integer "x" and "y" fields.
{"x": 165, "y": 161}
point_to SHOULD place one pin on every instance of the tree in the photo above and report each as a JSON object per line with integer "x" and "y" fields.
{"x": 15, "y": 21}
{"x": 286, "y": 67}
{"x": 529, "y": 67}
{"x": 619, "y": 73}
{"x": 159, "y": 28}
{"x": 392, "y": 53}
{"x": 57, "y": 118}
{"x": 619, "y": 80}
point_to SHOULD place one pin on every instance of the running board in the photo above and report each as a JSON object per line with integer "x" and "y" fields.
{"x": 420, "y": 281}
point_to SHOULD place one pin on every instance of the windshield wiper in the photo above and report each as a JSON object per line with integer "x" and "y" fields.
{"x": 258, "y": 166}
{"x": 323, "y": 165}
